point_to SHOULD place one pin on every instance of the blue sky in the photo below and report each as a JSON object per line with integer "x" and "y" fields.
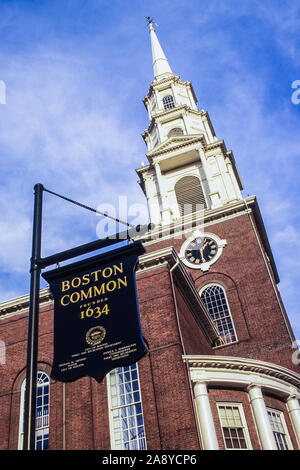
{"x": 75, "y": 75}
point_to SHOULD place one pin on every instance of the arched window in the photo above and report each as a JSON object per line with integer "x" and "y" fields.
{"x": 42, "y": 412}
{"x": 189, "y": 195}
{"x": 175, "y": 131}
{"x": 214, "y": 298}
{"x": 168, "y": 102}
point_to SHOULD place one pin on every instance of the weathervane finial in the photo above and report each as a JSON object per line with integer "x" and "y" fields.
{"x": 150, "y": 21}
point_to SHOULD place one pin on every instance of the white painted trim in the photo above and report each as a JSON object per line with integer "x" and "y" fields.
{"x": 286, "y": 432}
{"x": 21, "y": 304}
{"x": 110, "y": 409}
{"x": 21, "y": 410}
{"x": 243, "y": 420}
{"x": 231, "y": 371}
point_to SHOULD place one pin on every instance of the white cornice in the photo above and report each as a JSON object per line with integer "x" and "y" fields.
{"x": 244, "y": 371}
{"x": 163, "y": 81}
{"x": 20, "y": 304}
{"x": 176, "y": 112}
{"x": 175, "y": 143}
{"x": 188, "y": 223}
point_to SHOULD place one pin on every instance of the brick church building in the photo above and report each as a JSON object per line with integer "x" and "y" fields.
{"x": 219, "y": 372}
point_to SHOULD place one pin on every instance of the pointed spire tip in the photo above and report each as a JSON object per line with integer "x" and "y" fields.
{"x": 160, "y": 62}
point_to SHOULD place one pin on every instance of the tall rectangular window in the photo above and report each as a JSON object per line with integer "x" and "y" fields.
{"x": 279, "y": 429}
{"x": 234, "y": 428}
{"x": 125, "y": 409}
{"x": 42, "y": 412}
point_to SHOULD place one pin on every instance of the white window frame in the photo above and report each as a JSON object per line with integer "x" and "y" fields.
{"x": 243, "y": 421}
{"x": 41, "y": 430}
{"x": 284, "y": 426}
{"x": 169, "y": 101}
{"x": 112, "y": 408}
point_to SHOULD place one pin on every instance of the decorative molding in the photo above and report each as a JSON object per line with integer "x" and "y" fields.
{"x": 21, "y": 304}
{"x": 244, "y": 371}
{"x": 156, "y": 83}
{"x": 186, "y": 224}
{"x": 176, "y": 143}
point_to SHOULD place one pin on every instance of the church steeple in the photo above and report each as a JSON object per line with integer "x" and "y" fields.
{"x": 161, "y": 65}
{"x": 188, "y": 166}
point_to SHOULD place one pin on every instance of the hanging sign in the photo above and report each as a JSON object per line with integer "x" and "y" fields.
{"x": 96, "y": 317}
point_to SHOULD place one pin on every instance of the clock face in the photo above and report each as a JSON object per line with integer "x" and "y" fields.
{"x": 201, "y": 250}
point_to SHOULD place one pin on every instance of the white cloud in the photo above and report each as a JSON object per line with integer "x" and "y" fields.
{"x": 74, "y": 143}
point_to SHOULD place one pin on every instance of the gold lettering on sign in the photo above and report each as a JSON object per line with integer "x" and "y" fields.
{"x": 82, "y": 294}
{"x": 94, "y": 276}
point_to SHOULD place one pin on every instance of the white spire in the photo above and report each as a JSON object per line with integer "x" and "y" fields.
{"x": 160, "y": 63}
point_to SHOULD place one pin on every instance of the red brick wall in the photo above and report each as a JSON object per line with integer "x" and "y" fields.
{"x": 174, "y": 424}
{"x": 166, "y": 396}
{"x": 86, "y": 424}
{"x": 260, "y": 326}
{"x": 194, "y": 339}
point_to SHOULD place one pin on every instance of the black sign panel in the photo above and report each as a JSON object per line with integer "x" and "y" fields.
{"x": 96, "y": 316}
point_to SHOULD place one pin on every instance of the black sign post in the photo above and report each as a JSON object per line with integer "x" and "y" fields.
{"x": 33, "y": 323}
{"x": 96, "y": 327}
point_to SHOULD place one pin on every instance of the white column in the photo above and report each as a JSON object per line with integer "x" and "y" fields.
{"x": 207, "y": 129}
{"x": 186, "y": 124}
{"x": 193, "y": 104}
{"x": 293, "y": 407}
{"x": 165, "y": 210}
{"x": 153, "y": 206}
{"x": 159, "y": 131}
{"x": 160, "y": 184}
{"x": 157, "y": 100}
{"x": 174, "y": 94}
{"x": 212, "y": 202}
{"x": 234, "y": 181}
{"x": 265, "y": 432}
{"x": 206, "y": 422}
